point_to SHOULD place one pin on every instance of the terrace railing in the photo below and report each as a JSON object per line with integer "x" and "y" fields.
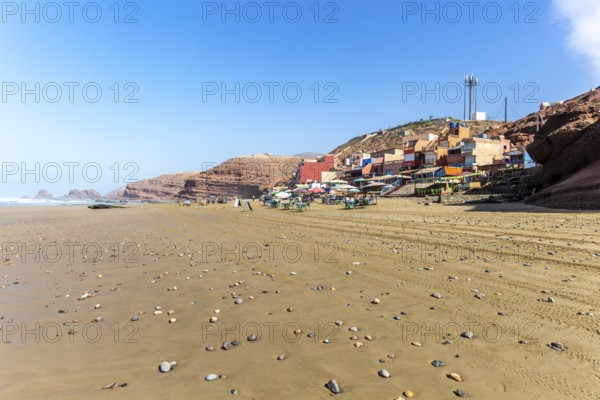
{"x": 388, "y": 189}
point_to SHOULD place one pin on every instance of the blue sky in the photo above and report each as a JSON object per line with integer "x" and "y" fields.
{"x": 351, "y": 68}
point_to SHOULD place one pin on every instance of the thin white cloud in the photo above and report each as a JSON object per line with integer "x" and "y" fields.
{"x": 583, "y": 19}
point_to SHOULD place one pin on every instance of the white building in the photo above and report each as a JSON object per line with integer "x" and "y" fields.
{"x": 478, "y": 116}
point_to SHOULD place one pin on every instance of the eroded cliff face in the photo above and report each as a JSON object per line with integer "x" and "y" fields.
{"x": 568, "y": 146}
{"x": 243, "y": 176}
{"x": 580, "y": 191}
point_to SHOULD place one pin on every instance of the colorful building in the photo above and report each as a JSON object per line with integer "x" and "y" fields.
{"x": 413, "y": 152}
{"x": 310, "y": 171}
{"x": 484, "y": 151}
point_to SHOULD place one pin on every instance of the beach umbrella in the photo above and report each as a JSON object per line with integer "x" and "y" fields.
{"x": 282, "y": 195}
{"x": 337, "y": 182}
{"x": 354, "y": 190}
{"x": 316, "y": 189}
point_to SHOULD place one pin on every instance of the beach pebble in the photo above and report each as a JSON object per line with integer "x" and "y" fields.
{"x": 281, "y": 357}
{"x": 375, "y": 301}
{"x": 333, "y": 386}
{"x": 170, "y": 312}
{"x": 409, "y": 394}
{"x": 134, "y": 318}
{"x": 459, "y": 393}
{"x": 211, "y": 377}
{"x": 339, "y": 323}
{"x": 417, "y": 344}
{"x": 455, "y": 376}
{"x": 97, "y": 306}
{"x": 213, "y": 319}
{"x": 438, "y": 363}
{"x": 238, "y": 301}
{"x": 209, "y": 348}
{"x": 353, "y": 329}
{"x": 252, "y": 338}
{"x": 383, "y": 373}
{"x": 234, "y": 392}
{"x": 558, "y": 346}
{"x": 358, "y": 345}
{"x": 369, "y": 337}
{"x": 172, "y": 320}
{"x": 436, "y": 295}
{"x": 164, "y": 366}
{"x": 468, "y": 335}
{"x": 158, "y": 312}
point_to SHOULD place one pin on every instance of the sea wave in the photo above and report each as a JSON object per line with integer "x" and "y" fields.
{"x": 12, "y": 202}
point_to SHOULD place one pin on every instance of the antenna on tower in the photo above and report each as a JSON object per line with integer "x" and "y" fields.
{"x": 471, "y": 82}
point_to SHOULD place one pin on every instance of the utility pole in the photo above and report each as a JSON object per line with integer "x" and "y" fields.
{"x": 476, "y": 84}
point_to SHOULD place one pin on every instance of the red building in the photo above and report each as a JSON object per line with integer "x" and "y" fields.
{"x": 312, "y": 170}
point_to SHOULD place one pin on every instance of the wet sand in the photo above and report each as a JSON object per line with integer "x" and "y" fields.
{"x": 291, "y": 270}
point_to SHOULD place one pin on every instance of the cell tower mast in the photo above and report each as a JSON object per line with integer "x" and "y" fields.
{"x": 471, "y": 82}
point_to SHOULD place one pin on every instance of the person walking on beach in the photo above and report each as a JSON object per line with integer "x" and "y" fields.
{"x": 247, "y": 203}
{"x": 253, "y": 198}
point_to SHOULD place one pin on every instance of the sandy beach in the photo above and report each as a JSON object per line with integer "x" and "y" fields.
{"x": 517, "y": 277}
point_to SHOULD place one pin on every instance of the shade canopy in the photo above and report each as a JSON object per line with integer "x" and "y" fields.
{"x": 282, "y": 195}
{"x": 375, "y": 184}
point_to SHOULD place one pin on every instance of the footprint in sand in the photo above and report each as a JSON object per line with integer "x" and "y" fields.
{"x": 494, "y": 386}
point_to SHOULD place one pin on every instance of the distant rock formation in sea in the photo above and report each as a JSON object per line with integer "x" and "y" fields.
{"x": 116, "y": 194}
{"x": 87, "y": 194}
{"x": 43, "y": 195}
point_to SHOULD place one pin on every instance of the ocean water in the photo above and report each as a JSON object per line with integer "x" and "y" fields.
{"x": 13, "y": 202}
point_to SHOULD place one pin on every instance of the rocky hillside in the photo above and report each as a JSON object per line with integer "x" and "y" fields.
{"x": 244, "y": 176}
{"x": 568, "y": 145}
{"x": 390, "y": 138}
